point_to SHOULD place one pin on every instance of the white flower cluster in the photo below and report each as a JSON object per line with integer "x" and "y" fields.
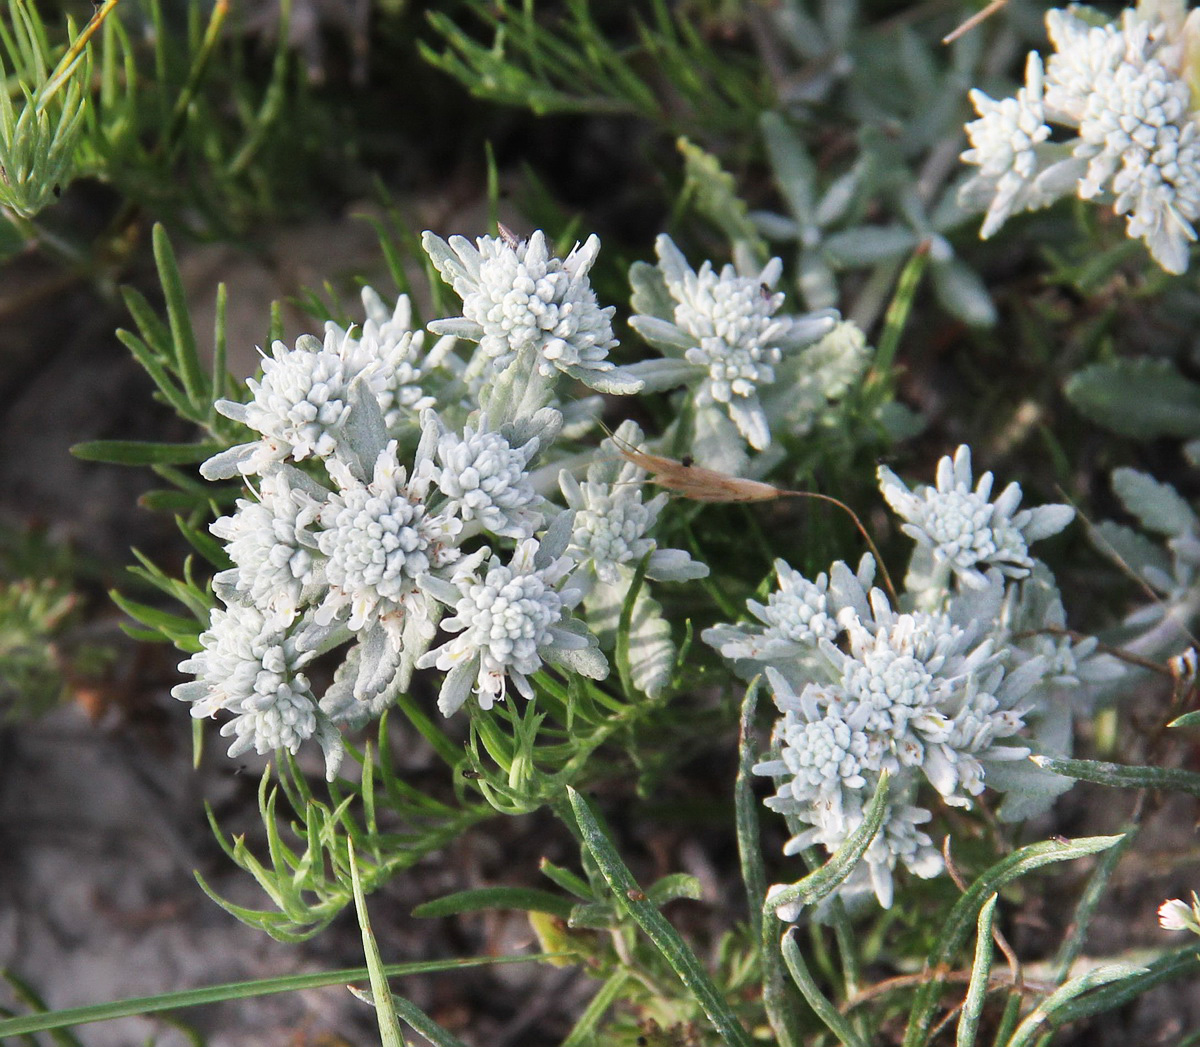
{"x": 934, "y": 691}
{"x": 1124, "y": 89}
{"x": 301, "y": 403}
{"x": 524, "y": 306}
{"x": 353, "y": 540}
{"x": 964, "y": 531}
{"x": 723, "y": 337}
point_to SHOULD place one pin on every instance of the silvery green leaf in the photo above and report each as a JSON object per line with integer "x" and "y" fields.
{"x": 298, "y": 480}
{"x": 616, "y": 381}
{"x": 556, "y": 539}
{"x": 815, "y": 280}
{"x": 961, "y": 291}
{"x": 674, "y": 565}
{"x": 444, "y": 259}
{"x": 456, "y": 688}
{"x": 415, "y": 640}
{"x": 440, "y": 589}
{"x": 1158, "y": 505}
{"x": 329, "y": 738}
{"x": 650, "y": 295}
{"x": 840, "y": 195}
{"x": 657, "y": 375}
{"x": 519, "y": 391}
{"x": 364, "y": 435}
{"x": 949, "y": 212}
{"x": 233, "y": 409}
{"x": 1132, "y": 549}
{"x": 603, "y": 605}
{"x": 664, "y": 335}
{"x": 457, "y": 327}
{"x": 545, "y": 425}
{"x": 800, "y": 331}
{"x": 377, "y": 664}
{"x": 651, "y": 652}
{"x": 716, "y": 443}
{"x": 1045, "y": 520}
{"x": 714, "y": 194}
{"x": 587, "y": 661}
{"x": 794, "y": 171}
{"x": 224, "y": 466}
{"x": 870, "y": 244}
{"x": 775, "y": 226}
{"x": 899, "y": 421}
{"x": 1142, "y": 398}
{"x": 1029, "y": 790}
{"x": 671, "y": 261}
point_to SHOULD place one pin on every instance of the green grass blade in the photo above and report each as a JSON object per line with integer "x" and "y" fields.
{"x": 390, "y": 1034}
{"x": 171, "y": 1001}
{"x": 896, "y": 318}
{"x": 665, "y": 938}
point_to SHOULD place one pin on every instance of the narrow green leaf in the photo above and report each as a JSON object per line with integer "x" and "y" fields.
{"x": 414, "y": 1016}
{"x": 585, "y": 1028}
{"x": 138, "y": 452}
{"x": 187, "y": 358}
{"x": 1191, "y": 719}
{"x": 1045, "y": 1011}
{"x": 665, "y": 938}
{"x": 390, "y": 1034}
{"x": 1088, "y": 902}
{"x": 171, "y": 1001}
{"x": 1123, "y": 776}
{"x": 981, "y": 970}
{"x": 674, "y": 886}
{"x": 817, "y": 1000}
{"x": 525, "y": 899}
{"x": 962, "y": 918}
{"x": 1182, "y": 962}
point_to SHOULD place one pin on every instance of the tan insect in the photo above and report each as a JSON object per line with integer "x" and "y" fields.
{"x": 699, "y": 484}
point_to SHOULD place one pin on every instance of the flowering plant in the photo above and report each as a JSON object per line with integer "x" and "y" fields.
{"x": 543, "y": 534}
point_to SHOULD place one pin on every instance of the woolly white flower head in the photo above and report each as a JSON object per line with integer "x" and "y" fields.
{"x": 381, "y": 539}
{"x": 1123, "y": 88}
{"x": 298, "y": 406}
{"x": 508, "y": 621}
{"x": 613, "y": 523}
{"x": 392, "y": 354}
{"x": 519, "y": 300}
{"x": 269, "y": 543}
{"x": 966, "y": 531}
{"x": 249, "y": 666}
{"x": 797, "y": 616}
{"x": 484, "y": 478}
{"x": 1004, "y": 141}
